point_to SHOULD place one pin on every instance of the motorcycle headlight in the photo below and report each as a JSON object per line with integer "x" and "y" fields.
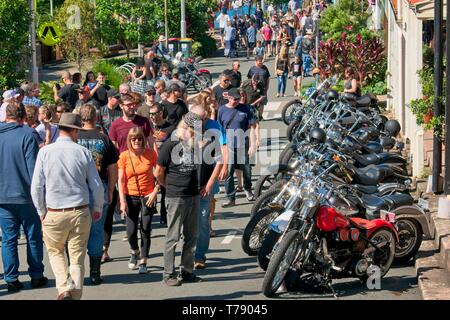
{"x": 310, "y": 202}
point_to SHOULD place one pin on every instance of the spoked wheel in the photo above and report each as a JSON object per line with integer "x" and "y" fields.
{"x": 256, "y": 230}
{"x": 264, "y": 183}
{"x": 287, "y": 112}
{"x": 267, "y": 197}
{"x": 202, "y": 82}
{"x": 410, "y": 239}
{"x": 280, "y": 262}
{"x": 266, "y": 248}
{"x": 292, "y": 129}
{"x": 385, "y": 240}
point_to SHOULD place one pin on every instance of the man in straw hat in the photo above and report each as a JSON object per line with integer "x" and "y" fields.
{"x": 68, "y": 194}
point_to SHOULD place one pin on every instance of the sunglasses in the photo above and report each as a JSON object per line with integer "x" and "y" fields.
{"x": 140, "y": 139}
{"x": 133, "y": 104}
{"x": 154, "y": 114}
{"x": 226, "y": 80}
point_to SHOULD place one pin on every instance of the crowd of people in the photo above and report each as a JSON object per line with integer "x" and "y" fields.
{"x": 69, "y": 166}
{"x": 288, "y": 35}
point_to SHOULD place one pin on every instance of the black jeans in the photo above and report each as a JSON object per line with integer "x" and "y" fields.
{"x": 107, "y": 229}
{"x": 134, "y": 220}
{"x": 163, "y": 211}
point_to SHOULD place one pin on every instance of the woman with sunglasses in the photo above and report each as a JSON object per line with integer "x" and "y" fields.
{"x": 137, "y": 194}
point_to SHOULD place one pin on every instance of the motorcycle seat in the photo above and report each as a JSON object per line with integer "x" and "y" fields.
{"x": 363, "y": 101}
{"x": 372, "y": 175}
{"x": 366, "y": 159}
{"x": 366, "y": 189}
{"x": 373, "y": 203}
{"x": 387, "y": 156}
{"x": 397, "y": 200}
{"x": 373, "y": 147}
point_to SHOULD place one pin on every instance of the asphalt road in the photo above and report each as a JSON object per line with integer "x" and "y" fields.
{"x": 230, "y": 273}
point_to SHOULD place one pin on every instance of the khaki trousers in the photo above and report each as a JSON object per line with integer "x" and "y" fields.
{"x": 73, "y": 227}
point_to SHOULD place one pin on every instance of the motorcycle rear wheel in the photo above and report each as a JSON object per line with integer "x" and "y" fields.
{"x": 410, "y": 239}
{"x": 292, "y": 129}
{"x": 280, "y": 263}
{"x": 256, "y": 230}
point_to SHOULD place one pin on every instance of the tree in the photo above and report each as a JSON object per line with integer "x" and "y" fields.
{"x": 76, "y": 19}
{"x": 15, "y": 20}
{"x": 349, "y": 16}
{"x": 120, "y": 21}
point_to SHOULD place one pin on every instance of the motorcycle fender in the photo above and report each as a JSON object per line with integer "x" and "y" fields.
{"x": 422, "y": 217}
{"x": 202, "y": 71}
{"x": 276, "y": 168}
{"x": 280, "y": 223}
{"x": 380, "y": 223}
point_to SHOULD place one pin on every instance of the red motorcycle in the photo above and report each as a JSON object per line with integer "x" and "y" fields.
{"x": 322, "y": 239}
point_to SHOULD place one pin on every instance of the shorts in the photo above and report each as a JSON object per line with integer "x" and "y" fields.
{"x": 297, "y": 77}
{"x": 274, "y": 43}
{"x": 251, "y": 45}
{"x": 266, "y": 43}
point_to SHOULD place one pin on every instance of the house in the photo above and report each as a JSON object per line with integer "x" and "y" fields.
{"x": 404, "y": 21}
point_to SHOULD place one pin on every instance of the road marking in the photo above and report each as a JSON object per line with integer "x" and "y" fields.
{"x": 231, "y": 235}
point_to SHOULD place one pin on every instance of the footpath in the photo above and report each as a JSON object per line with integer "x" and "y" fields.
{"x": 433, "y": 259}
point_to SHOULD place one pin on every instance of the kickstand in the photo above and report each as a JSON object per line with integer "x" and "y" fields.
{"x": 330, "y": 286}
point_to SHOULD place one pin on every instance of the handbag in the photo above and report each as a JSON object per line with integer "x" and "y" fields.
{"x": 141, "y": 198}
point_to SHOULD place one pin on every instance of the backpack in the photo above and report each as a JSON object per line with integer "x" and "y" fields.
{"x": 307, "y": 45}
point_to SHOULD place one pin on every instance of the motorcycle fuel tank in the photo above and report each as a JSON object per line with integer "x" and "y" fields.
{"x": 327, "y": 219}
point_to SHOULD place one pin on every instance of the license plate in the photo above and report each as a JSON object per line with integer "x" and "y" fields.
{"x": 388, "y": 216}
{"x": 423, "y": 204}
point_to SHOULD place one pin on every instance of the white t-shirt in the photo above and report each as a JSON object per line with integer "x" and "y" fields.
{"x": 41, "y": 131}
{"x": 223, "y": 19}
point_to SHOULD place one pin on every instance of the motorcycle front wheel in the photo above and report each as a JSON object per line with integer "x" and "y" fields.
{"x": 287, "y": 111}
{"x": 280, "y": 262}
{"x": 202, "y": 82}
{"x": 383, "y": 260}
{"x": 256, "y": 229}
{"x": 266, "y": 248}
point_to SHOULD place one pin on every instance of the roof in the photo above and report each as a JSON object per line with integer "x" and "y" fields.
{"x": 424, "y": 9}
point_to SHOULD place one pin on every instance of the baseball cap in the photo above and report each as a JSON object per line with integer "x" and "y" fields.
{"x": 234, "y": 93}
{"x": 10, "y": 94}
{"x": 112, "y": 93}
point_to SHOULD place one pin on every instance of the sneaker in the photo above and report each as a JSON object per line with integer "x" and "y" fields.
{"x": 239, "y": 189}
{"x": 222, "y": 190}
{"x": 132, "y": 263}
{"x": 172, "y": 282}
{"x": 125, "y": 238}
{"x": 14, "y": 286}
{"x": 190, "y": 277}
{"x": 295, "y": 94}
{"x": 142, "y": 268}
{"x": 278, "y": 95}
{"x": 39, "y": 282}
{"x": 212, "y": 233}
{"x": 199, "y": 265}
{"x": 229, "y": 203}
{"x": 249, "y": 195}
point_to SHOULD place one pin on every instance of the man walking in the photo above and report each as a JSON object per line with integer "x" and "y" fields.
{"x": 110, "y": 112}
{"x": 220, "y": 92}
{"x": 236, "y": 76}
{"x": 19, "y": 147}
{"x": 177, "y": 172}
{"x": 68, "y": 195}
{"x": 251, "y": 38}
{"x": 237, "y": 119}
{"x": 174, "y": 107}
{"x": 105, "y": 157}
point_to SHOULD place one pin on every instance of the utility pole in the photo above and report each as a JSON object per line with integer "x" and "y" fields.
{"x": 438, "y": 55}
{"x": 51, "y": 8}
{"x": 34, "y": 68}
{"x": 447, "y": 107}
{"x": 183, "y": 18}
{"x": 166, "y": 24}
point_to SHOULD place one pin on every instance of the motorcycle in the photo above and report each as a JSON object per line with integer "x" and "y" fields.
{"x": 321, "y": 239}
{"x": 190, "y": 74}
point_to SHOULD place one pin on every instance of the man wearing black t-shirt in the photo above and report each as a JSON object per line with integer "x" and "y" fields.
{"x": 260, "y": 71}
{"x": 105, "y": 156}
{"x": 236, "y": 76}
{"x": 68, "y": 93}
{"x": 99, "y": 92}
{"x": 177, "y": 172}
{"x": 220, "y": 92}
{"x": 110, "y": 112}
{"x": 174, "y": 108}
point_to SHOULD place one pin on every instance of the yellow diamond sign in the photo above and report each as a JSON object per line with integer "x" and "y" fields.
{"x": 49, "y": 33}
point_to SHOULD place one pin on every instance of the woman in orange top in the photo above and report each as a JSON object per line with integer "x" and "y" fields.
{"x": 136, "y": 181}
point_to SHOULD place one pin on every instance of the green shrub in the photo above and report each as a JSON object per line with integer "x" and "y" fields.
{"x": 46, "y": 91}
{"x": 114, "y": 77}
{"x": 205, "y": 46}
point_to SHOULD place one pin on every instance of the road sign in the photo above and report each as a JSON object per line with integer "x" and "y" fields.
{"x": 49, "y": 33}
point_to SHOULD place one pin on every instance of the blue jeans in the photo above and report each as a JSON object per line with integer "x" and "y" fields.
{"x": 282, "y": 83}
{"x": 95, "y": 242}
{"x": 203, "y": 228}
{"x": 246, "y": 171}
{"x": 306, "y": 58}
{"x": 12, "y": 216}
